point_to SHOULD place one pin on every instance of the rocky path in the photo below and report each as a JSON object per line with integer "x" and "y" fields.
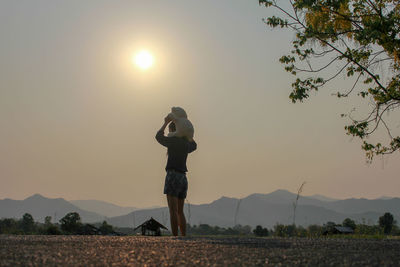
{"x": 170, "y": 251}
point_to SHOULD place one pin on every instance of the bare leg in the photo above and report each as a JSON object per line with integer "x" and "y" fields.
{"x": 181, "y": 216}
{"x": 173, "y": 213}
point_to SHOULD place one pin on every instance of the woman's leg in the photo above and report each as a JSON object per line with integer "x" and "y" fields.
{"x": 181, "y": 216}
{"x": 173, "y": 213}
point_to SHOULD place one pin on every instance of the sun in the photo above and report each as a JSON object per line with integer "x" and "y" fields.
{"x": 144, "y": 59}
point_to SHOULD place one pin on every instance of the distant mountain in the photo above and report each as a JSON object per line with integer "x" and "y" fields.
{"x": 385, "y": 197}
{"x": 323, "y": 198}
{"x": 101, "y": 207}
{"x": 40, "y": 207}
{"x": 255, "y": 209}
{"x": 270, "y": 209}
{"x": 360, "y": 205}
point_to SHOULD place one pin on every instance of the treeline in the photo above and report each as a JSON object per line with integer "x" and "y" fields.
{"x": 386, "y": 226}
{"x": 70, "y": 224}
{"x": 205, "y": 229}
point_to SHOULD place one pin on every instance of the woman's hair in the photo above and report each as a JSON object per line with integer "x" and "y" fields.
{"x": 172, "y": 127}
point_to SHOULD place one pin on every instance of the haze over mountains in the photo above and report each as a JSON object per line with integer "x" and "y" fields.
{"x": 323, "y": 198}
{"x": 40, "y": 207}
{"x": 256, "y": 209}
{"x": 102, "y": 207}
{"x": 270, "y": 209}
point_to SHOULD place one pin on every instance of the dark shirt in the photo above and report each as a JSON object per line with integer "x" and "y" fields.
{"x": 178, "y": 149}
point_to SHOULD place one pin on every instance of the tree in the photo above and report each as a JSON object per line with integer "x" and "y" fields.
{"x": 27, "y": 223}
{"x": 285, "y": 230}
{"x": 71, "y": 223}
{"x": 47, "y": 220}
{"x": 52, "y": 230}
{"x": 49, "y": 228}
{"x": 280, "y": 230}
{"x": 386, "y": 222}
{"x": 242, "y": 229}
{"x": 349, "y": 223}
{"x": 329, "y": 227}
{"x": 260, "y": 231}
{"x": 8, "y": 226}
{"x": 364, "y": 229}
{"x": 314, "y": 230}
{"x": 106, "y": 228}
{"x": 88, "y": 229}
{"x": 357, "y": 38}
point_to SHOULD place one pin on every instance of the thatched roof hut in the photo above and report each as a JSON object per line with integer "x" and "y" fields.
{"x": 338, "y": 230}
{"x": 151, "y": 227}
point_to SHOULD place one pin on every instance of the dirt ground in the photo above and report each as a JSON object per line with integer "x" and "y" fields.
{"x": 194, "y": 251}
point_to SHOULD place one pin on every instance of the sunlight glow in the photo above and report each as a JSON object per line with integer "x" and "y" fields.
{"x": 143, "y": 59}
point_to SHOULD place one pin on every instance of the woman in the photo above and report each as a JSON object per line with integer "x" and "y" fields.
{"x": 176, "y": 182}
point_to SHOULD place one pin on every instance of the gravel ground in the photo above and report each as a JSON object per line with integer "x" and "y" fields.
{"x": 194, "y": 251}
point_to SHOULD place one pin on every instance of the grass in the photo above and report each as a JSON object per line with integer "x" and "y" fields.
{"x": 360, "y": 236}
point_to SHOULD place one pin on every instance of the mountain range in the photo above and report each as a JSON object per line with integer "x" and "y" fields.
{"x": 102, "y": 207}
{"x": 40, "y": 207}
{"x": 270, "y": 209}
{"x": 255, "y": 209}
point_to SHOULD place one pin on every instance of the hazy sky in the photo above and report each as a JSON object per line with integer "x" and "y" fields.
{"x": 78, "y": 119}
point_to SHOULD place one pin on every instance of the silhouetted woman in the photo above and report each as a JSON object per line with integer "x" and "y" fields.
{"x": 176, "y": 184}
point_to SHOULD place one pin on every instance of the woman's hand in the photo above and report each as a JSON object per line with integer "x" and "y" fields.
{"x": 167, "y": 120}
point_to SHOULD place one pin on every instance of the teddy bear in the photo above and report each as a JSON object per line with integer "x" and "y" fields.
{"x": 184, "y": 128}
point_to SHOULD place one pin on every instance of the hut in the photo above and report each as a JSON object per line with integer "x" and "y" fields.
{"x": 151, "y": 227}
{"x": 335, "y": 230}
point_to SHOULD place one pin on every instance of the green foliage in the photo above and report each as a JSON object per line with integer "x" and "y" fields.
{"x": 71, "y": 223}
{"x": 349, "y": 223}
{"x": 205, "y": 229}
{"x": 9, "y": 226}
{"x": 87, "y": 229}
{"x": 52, "y": 230}
{"x": 292, "y": 230}
{"x": 285, "y": 230}
{"x": 280, "y": 230}
{"x": 314, "y": 230}
{"x": 355, "y": 37}
{"x": 106, "y": 228}
{"x": 357, "y": 236}
{"x": 367, "y": 230}
{"x": 260, "y": 231}
{"x": 27, "y": 223}
{"x": 386, "y": 222}
{"x": 242, "y": 229}
{"x": 395, "y": 230}
{"x": 47, "y": 220}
